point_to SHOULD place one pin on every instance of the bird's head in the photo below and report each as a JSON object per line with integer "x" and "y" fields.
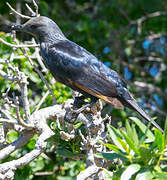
{"x": 42, "y": 28}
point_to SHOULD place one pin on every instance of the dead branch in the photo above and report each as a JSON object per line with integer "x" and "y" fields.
{"x": 36, "y": 7}
{"x": 8, "y": 77}
{"x": 40, "y": 126}
{"x": 21, "y": 141}
{"x": 88, "y": 172}
{"x": 150, "y": 88}
{"x": 18, "y": 46}
{"x": 17, "y": 13}
{"x": 30, "y": 9}
{"x": 143, "y": 18}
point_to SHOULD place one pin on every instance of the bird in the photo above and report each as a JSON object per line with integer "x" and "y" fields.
{"x": 78, "y": 69}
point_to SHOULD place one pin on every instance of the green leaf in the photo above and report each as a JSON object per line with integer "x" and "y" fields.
{"x": 159, "y": 139}
{"x": 143, "y": 128}
{"x": 146, "y": 175}
{"x": 111, "y": 156}
{"x": 76, "y": 126}
{"x": 145, "y": 153}
{"x": 37, "y": 164}
{"x": 130, "y": 143}
{"x": 130, "y": 170}
{"x": 128, "y": 129}
{"x": 128, "y": 51}
{"x": 12, "y": 136}
{"x": 31, "y": 144}
{"x": 66, "y": 153}
{"x": 111, "y": 147}
{"x": 162, "y": 176}
{"x": 124, "y": 145}
{"x": 115, "y": 136}
{"x": 165, "y": 132}
{"x": 135, "y": 135}
{"x": 109, "y": 173}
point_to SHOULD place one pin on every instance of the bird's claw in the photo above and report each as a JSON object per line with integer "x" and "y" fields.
{"x": 71, "y": 116}
{"x": 77, "y": 111}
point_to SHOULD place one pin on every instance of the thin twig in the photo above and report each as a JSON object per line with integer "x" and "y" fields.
{"x": 2, "y": 120}
{"x": 41, "y": 101}
{"x": 23, "y": 57}
{"x": 18, "y": 9}
{"x": 46, "y": 173}
{"x": 149, "y": 58}
{"x": 36, "y": 7}
{"x": 7, "y": 114}
{"x": 2, "y": 136}
{"x": 18, "y": 46}
{"x": 88, "y": 173}
{"x": 150, "y": 88}
{"x": 21, "y": 141}
{"x": 143, "y": 18}
{"x": 17, "y": 13}
{"x": 38, "y": 57}
{"x": 24, "y": 94}
{"x": 20, "y": 120}
{"x": 38, "y": 71}
{"x": 46, "y": 83}
{"x": 7, "y": 77}
{"x": 30, "y": 9}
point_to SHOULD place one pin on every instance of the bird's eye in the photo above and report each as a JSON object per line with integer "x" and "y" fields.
{"x": 33, "y": 26}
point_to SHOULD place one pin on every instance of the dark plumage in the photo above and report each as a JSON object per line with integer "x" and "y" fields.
{"x": 77, "y": 68}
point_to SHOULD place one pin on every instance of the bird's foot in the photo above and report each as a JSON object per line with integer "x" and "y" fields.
{"x": 71, "y": 116}
{"x": 80, "y": 110}
{"x": 79, "y": 101}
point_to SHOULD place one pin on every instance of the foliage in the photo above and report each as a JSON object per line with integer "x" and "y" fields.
{"x": 141, "y": 155}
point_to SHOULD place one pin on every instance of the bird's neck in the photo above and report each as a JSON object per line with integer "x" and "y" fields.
{"x": 51, "y": 37}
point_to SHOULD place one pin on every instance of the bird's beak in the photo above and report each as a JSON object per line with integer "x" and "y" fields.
{"x": 17, "y": 28}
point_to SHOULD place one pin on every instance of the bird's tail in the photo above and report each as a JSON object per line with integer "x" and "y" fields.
{"x": 133, "y": 105}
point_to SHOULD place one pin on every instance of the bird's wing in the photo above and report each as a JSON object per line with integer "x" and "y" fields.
{"x": 69, "y": 62}
{"x": 79, "y": 69}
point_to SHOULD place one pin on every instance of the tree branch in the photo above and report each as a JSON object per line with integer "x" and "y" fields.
{"x": 18, "y": 46}
{"x": 17, "y": 13}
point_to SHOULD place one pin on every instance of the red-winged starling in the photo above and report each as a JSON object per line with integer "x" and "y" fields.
{"x": 77, "y": 68}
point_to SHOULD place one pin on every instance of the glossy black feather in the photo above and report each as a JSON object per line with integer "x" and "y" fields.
{"x": 67, "y": 60}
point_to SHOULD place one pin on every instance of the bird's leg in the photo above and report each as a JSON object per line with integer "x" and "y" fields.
{"x": 72, "y": 115}
{"x": 93, "y": 101}
{"x": 79, "y": 101}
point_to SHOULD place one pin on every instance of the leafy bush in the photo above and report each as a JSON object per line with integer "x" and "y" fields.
{"x": 141, "y": 155}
